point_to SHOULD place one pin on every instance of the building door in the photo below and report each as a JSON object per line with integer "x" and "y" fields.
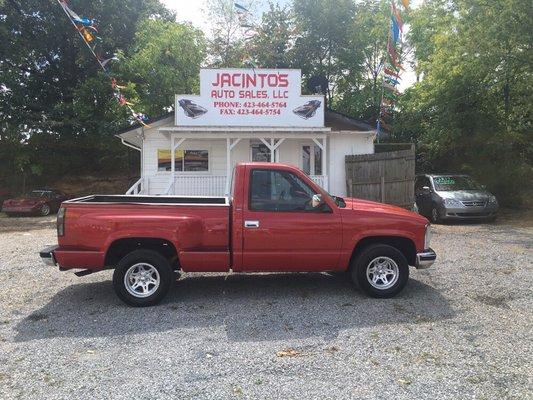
{"x": 282, "y": 231}
{"x": 261, "y": 153}
{"x": 311, "y": 159}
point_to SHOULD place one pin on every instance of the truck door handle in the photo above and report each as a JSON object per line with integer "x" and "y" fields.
{"x": 251, "y": 224}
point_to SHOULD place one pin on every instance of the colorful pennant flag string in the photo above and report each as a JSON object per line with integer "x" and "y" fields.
{"x": 86, "y": 27}
{"x": 250, "y": 31}
{"x": 391, "y": 70}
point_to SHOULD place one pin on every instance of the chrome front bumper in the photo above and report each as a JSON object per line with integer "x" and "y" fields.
{"x": 425, "y": 259}
{"x": 47, "y": 255}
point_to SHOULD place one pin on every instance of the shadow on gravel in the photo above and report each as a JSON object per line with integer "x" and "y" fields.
{"x": 249, "y": 307}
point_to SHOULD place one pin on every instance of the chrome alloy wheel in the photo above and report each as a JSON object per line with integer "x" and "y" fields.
{"x": 142, "y": 280}
{"x": 382, "y": 272}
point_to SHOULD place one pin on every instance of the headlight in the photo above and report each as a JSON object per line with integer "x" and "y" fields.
{"x": 427, "y": 237}
{"x": 452, "y": 203}
{"x": 492, "y": 200}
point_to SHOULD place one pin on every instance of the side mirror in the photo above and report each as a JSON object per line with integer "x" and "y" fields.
{"x": 425, "y": 189}
{"x": 316, "y": 201}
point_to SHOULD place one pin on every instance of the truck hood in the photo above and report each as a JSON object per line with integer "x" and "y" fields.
{"x": 372, "y": 206}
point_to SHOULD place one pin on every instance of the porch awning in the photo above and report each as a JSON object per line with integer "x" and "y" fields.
{"x": 223, "y": 132}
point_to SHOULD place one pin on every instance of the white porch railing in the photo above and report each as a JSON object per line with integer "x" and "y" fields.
{"x": 137, "y": 188}
{"x": 197, "y": 185}
{"x": 320, "y": 180}
{"x": 213, "y": 185}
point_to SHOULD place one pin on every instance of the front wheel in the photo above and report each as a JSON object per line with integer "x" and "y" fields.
{"x": 45, "y": 210}
{"x": 142, "y": 278}
{"x": 380, "y": 271}
{"x": 435, "y": 217}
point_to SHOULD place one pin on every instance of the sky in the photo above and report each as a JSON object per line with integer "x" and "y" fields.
{"x": 194, "y": 11}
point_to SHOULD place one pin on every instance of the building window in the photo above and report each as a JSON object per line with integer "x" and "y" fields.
{"x": 196, "y": 160}
{"x": 186, "y": 160}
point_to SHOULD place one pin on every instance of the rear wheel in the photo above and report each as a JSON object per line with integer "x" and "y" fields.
{"x": 380, "y": 271}
{"x": 45, "y": 210}
{"x": 142, "y": 278}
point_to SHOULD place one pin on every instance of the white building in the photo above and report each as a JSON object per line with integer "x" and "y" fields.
{"x": 265, "y": 119}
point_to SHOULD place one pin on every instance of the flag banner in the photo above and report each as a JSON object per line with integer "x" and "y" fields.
{"x": 387, "y": 102}
{"x": 386, "y": 111}
{"x": 87, "y": 36}
{"x": 71, "y": 13}
{"x": 385, "y": 125}
{"x": 392, "y": 72}
{"x": 392, "y": 52}
{"x": 391, "y": 80}
{"x": 86, "y": 29}
{"x": 396, "y": 15}
{"x": 395, "y": 30}
{"x": 104, "y": 62}
{"x": 240, "y": 8}
{"x": 390, "y": 95}
{"x": 390, "y": 88}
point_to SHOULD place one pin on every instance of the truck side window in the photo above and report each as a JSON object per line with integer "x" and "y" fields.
{"x": 279, "y": 191}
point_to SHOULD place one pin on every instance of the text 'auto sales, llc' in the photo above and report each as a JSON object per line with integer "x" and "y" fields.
{"x": 255, "y": 83}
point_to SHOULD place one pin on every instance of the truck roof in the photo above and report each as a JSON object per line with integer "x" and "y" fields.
{"x": 266, "y": 165}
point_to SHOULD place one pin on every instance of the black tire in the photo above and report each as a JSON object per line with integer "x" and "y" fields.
{"x": 45, "y": 210}
{"x": 358, "y": 270}
{"x": 434, "y": 215}
{"x": 153, "y": 259}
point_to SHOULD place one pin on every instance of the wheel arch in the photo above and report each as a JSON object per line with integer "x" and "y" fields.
{"x": 404, "y": 244}
{"x": 123, "y": 246}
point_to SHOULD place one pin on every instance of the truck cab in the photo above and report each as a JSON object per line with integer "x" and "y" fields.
{"x": 275, "y": 220}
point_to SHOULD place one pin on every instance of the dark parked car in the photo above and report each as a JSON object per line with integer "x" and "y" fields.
{"x": 4, "y": 193}
{"x": 448, "y": 196}
{"x": 40, "y": 202}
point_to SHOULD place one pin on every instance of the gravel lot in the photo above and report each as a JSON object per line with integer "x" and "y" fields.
{"x": 462, "y": 329}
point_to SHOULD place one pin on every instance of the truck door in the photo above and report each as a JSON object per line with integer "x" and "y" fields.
{"x": 281, "y": 229}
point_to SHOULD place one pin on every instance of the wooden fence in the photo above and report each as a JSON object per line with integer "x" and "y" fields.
{"x": 385, "y": 177}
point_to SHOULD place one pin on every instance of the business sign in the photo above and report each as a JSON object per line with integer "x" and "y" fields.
{"x": 250, "y": 97}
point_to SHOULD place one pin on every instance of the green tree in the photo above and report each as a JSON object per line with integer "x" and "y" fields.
{"x": 227, "y": 47}
{"x": 471, "y": 111}
{"x": 323, "y": 29}
{"x": 56, "y": 106}
{"x": 359, "y": 89}
{"x": 164, "y": 59}
{"x": 272, "y": 47}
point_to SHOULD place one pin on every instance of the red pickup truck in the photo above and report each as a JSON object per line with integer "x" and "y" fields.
{"x": 276, "y": 220}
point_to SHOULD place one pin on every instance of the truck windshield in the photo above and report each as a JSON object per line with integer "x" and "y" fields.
{"x": 452, "y": 183}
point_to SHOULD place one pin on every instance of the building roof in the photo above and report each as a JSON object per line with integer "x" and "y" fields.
{"x": 341, "y": 122}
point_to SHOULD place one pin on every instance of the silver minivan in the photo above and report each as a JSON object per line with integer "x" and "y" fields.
{"x": 449, "y": 196}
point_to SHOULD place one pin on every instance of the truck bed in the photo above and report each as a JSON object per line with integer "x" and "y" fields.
{"x": 174, "y": 200}
{"x": 197, "y": 227}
